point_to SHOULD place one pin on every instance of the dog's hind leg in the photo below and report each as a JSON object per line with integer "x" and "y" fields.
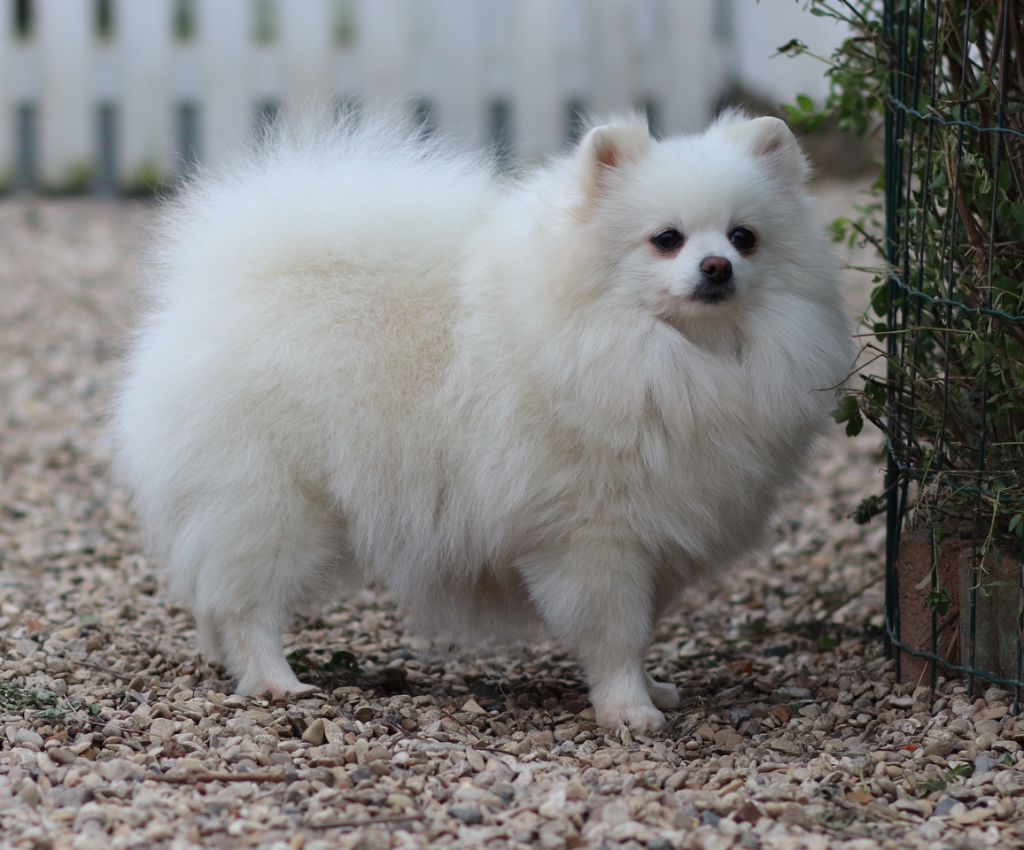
{"x": 258, "y": 560}
{"x": 211, "y": 645}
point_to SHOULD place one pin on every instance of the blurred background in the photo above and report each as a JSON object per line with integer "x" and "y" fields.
{"x": 120, "y": 96}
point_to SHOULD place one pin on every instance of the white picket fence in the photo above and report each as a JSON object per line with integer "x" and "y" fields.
{"x": 118, "y": 93}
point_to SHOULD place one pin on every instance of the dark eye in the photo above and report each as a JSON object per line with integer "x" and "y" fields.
{"x": 667, "y": 241}
{"x": 742, "y": 239}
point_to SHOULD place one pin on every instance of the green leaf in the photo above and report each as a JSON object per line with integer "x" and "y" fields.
{"x": 342, "y": 660}
{"x": 793, "y": 115}
{"x": 847, "y": 404}
{"x": 881, "y": 299}
{"x": 848, "y": 411}
{"x": 1016, "y": 525}
{"x": 938, "y": 599}
{"x": 867, "y": 510}
{"x": 793, "y": 47}
{"x": 838, "y": 228}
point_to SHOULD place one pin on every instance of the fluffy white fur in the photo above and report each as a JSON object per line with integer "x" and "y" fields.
{"x": 369, "y": 358}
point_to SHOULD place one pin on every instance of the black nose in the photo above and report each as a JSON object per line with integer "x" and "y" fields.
{"x": 716, "y": 269}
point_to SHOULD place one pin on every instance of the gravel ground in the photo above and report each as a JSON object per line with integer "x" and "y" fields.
{"x": 114, "y": 734}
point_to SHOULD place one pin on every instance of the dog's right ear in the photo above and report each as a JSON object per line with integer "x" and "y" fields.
{"x": 609, "y": 147}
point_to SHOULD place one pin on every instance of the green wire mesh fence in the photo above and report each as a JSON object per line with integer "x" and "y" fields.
{"x": 951, "y": 327}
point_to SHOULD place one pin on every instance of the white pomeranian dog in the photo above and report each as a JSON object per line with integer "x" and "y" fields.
{"x": 553, "y": 399}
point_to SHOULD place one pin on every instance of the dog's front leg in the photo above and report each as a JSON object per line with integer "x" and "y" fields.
{"x": 597, "y": 599}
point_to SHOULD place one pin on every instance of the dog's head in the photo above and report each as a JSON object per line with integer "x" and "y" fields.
{"x": 691, "y": 226}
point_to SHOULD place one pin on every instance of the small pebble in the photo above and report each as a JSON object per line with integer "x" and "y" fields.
{"x": 315, "y": 733}
{"x": 466, "y": 814}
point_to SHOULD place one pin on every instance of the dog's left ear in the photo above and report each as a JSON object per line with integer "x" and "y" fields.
{"x": 771, "y": 141}
{"x": 607, "y": 148}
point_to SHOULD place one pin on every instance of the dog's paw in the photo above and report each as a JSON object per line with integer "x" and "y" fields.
{"x": 662, "y": 694}
{"x": 639, "y": 718}
{"x": 277, "y": 688}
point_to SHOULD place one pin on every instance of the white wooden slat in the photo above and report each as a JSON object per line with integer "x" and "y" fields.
{"x": 65, "y": 40}
{"x": 7, "y": 129}
{"x": 145, "y": 41}
{"x": 226, "y": 53}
